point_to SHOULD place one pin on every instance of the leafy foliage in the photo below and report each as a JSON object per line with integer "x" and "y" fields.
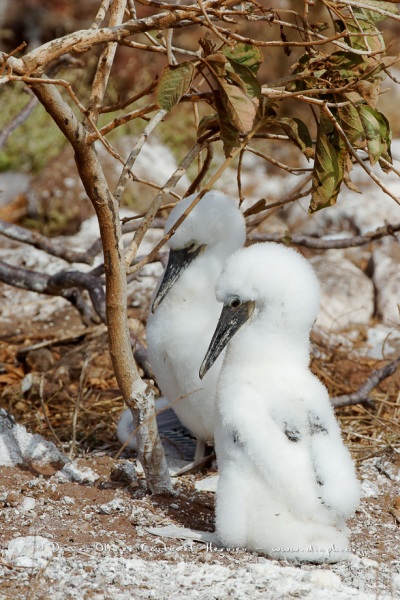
{"x": 338, "y": 76}
{"x": 346, "y": 81}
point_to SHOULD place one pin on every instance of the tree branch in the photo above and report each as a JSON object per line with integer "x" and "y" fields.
{"x": 41, "y": 242}
{"x": 64, "y": 284}
{"x": 361, "y": 395}
{"x": 323, "y": 244}
{"x": 138, "y": 397}
{"x": 105, "y": 62}
{"x": 80, "y": 41}
{"x": 17, "y": 120}
{"x": 123, "y": 180}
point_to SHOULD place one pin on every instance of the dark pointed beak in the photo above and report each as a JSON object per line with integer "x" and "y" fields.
{"x": 230, "y": 321}
{"x": 178, "y": 261}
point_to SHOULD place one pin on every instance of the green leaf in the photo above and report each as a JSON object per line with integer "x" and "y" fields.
{"x": 217, "y": 63}
{"x": 175, "y": 81}
{"x": 240, "y": 109}
{"x": 246, "y": 55}
{"x": 369, "y": 90}
{"x": 372, "y": 42}
{"x": 345, "y": 60}
{"x": 208, "y": 123}
{"x": 374, "y": 16}
{"x": 266, "y": 109}
{"x": 349, "y": 118}
{"x": 298, "y": 132}
{"x": 387, "y": 137}
{"x": 229, "y": 133}
{"x": 244, "y": 77}
{"x": 328, "y": 170}
{"x": 377, "y": 132}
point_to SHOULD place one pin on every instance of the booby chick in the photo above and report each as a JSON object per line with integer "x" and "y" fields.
{"x": 287, "y": 482}
{"x": 185, "y": 311}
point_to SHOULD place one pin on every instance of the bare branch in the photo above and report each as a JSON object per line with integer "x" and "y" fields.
{"x": 277, "y": 163}
{"x": 105, "y": 62}
{"x": 361, "y": 395}
{"x": 157, "y": 48}
{"x": 156, "y": 204}
{"x": 117, "y": 122}
{"x": 131, "y": 100}
{"x": 78, "y": 402}
{"x": 18, "y": 120}
{"x": 75, "y": 279}
{"x": 208, "y": 186}
{"x": 135, "y": 153}
{"x": 81, "y": 41}
{"x": 64, "y": 284}
{"x": 325, "y": 244}
{"x": 372, "y": 7}
{"x": 136, "y": 395}
{"x": 101, "y": 14}
{"x": 202, "y": 173}
{"x": 41, "y": 242}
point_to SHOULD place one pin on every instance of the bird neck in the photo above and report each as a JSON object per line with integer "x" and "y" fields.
{"x": 256, "y": 345}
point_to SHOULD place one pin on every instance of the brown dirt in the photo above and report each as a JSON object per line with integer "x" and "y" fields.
{"x": 75, "y": 517}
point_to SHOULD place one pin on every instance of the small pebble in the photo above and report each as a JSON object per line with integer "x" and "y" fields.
{"x": 27, "y": 504}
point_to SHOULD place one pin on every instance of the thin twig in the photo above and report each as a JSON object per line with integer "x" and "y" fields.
{"x": 118, "y": 121}
{"x": 277, "y": 163}
{"x": 157, "y": 48}
{"x": 203, "y": 171}
{"x": 211, "y": 26}
{"x": 135, "y": 153}
{"x": 46, "y": 418}
{"x": 156, "y": 204}
{"x": 105, "y": 63}
{"x": 47, "y": 81}
{"x": 372, "y": 7}
{"x": 132, "y": 9}
{"x": 82, "y": 380}
{"x": 37, "y": 240}
{"x": 101, "y": 14}
{"x": 208, "y": 186}
{"x": 361, "y": 395}
{"x": 318, "y": 243}
{"x": 20, "y": 118}
{"x": 124, "y": 103}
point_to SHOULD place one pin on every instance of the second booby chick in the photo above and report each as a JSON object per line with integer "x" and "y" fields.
{"x": 287, "y": 482}
{"x": 185, "y": 311}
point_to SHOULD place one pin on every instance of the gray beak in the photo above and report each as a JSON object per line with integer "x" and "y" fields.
{"x": 229, "y": 323}
{"x": 178, "y": 261}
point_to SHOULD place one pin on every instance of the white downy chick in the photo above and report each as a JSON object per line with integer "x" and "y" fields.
{"x": 287, "y": 482}
{"x": 185, "y": 311}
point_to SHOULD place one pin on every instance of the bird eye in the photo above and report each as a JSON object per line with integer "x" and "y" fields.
{"x": 235, "y": 302}
{"x": 192, "y": 247}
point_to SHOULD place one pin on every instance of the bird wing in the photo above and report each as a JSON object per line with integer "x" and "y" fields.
{"x": 283, "y": 459}
{"x": 333, "y": 465}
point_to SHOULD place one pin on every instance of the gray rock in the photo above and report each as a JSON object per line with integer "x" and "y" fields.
{"x": 31, "y": 551}
{"x": 124, "y": 471}
{"x": 12, "y": 184}
{"x": 386, "y": 278}
{"x": 18, "y": 446}
{"x": 347, "y": 294}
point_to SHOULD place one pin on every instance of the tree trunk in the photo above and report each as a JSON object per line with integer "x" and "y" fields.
{"x": 137, "y": 396}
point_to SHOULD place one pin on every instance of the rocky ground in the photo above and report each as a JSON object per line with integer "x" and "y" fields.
{"x": 90, "y": 539}
{"x": 82, "y": 532}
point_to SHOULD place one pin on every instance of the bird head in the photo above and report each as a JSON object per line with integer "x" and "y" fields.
{"x": 214, "y": 225}
{"x": 266, "y": 283}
